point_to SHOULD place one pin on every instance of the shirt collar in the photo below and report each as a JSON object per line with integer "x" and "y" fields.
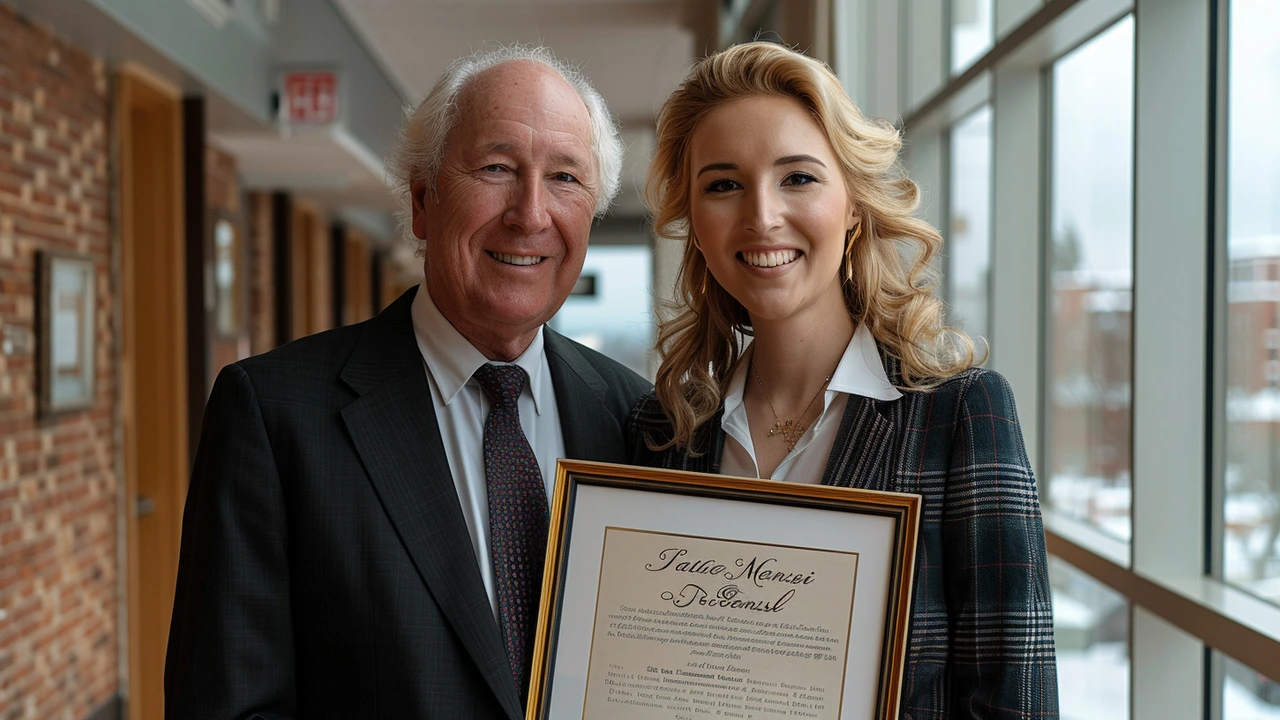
{"x": 452, "y": 359}
{"x": 859, "y": 372}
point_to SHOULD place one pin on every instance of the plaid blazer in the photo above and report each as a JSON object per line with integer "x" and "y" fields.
{"x": 980, "y": 643}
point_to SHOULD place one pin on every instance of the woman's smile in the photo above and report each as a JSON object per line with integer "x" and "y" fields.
{"x": 769, "y": 258}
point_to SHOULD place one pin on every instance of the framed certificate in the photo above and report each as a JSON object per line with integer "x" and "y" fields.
{"x": 683, "y": 595}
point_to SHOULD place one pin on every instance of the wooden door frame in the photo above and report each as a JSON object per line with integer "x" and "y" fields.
{"x": 311, "y": 272}
{"x": 301, "y": 262}
{"x": 162, "y": 326}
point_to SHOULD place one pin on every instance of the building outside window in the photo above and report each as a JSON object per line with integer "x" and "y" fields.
{"x": 1090, "y": 271}
{"x": 1251, "y": 507}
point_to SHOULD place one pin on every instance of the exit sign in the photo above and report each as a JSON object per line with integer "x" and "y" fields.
{"x": 310, "y": 98}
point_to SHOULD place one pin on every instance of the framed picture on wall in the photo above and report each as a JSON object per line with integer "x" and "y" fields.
{"x": 65, "y": 285}
{"x": 226, "y": 263}
{"x": 227, "y": 259}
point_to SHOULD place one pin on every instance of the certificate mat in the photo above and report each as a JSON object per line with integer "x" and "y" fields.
{"x": 683, "y": 595}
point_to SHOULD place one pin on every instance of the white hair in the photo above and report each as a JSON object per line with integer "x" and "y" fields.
{"x": 419, "y": 151}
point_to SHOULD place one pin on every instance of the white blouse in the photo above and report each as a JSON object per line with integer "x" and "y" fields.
{"x": 859, "y": 372}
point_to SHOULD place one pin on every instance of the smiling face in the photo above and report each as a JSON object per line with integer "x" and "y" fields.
{"x": 768, "y": 205}
{"x": 505, "y": 233}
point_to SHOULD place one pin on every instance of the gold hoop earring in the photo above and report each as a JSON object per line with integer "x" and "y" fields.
{"x": 703, "y": 289}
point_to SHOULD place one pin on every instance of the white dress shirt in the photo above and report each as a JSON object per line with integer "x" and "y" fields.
{"x": 859, "y": 372}
{"x": 461, "y": 409}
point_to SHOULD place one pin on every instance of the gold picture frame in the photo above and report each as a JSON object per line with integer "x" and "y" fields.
{"x": 685, "y": 595}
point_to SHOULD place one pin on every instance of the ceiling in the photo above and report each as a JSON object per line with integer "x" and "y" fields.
{"x": 633, "y": 51}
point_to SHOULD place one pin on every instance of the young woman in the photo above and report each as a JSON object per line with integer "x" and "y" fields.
{"x": 799, "y": 235}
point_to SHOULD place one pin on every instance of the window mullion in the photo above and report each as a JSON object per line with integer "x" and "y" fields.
{"x": 1171, "y": 301}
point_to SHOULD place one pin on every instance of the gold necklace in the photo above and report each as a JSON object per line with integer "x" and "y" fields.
{"x": 790, "y": 430}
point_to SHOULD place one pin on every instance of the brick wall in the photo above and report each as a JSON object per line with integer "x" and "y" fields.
{"x": 222, "y": 181}
{"x": 262, "y": 307}
{"x": 58, "y": 485}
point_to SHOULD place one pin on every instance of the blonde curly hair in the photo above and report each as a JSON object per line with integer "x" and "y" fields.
{"x": 888, "y": 277}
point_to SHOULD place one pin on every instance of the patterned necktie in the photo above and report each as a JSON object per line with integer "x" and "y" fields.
{"x": 517, "y": 514}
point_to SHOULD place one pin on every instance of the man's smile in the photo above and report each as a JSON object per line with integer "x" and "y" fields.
{"x": 510, "y": 259}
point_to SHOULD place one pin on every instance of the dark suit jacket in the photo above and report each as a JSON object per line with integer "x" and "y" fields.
{"x": 981, "y": 637}
{"x": 326, "y": 569}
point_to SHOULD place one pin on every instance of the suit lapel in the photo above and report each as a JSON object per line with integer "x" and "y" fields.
{"x": 393, "y": 427}
{"x": 580, "y": 396}
{"x": 863, "y": 453}
{"x": 863, "y": 446}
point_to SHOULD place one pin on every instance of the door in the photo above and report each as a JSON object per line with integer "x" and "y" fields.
{"x": 154, "y": 360}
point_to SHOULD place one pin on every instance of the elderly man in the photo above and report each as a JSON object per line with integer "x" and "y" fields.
{"x": 366, "y": 524}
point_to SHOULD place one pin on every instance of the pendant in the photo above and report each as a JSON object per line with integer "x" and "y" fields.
{"x": 790, "y": 431}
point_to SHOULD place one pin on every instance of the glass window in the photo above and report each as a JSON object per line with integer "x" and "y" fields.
{"x": 1251, "y": 542}
{"x": 969, "y": 242}
{"x": 1248, "y": 694}
{"x": 1091, "y": 636}
{"x": 611, "y": 309}
{"x": 1090, "y": 268}
{"x": 970, "y": 32}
